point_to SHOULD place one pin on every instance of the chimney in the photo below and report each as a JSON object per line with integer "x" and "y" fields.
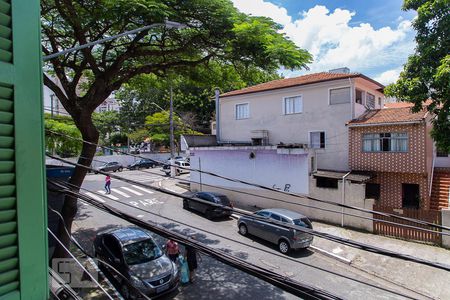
{"x": 340, "y": 70}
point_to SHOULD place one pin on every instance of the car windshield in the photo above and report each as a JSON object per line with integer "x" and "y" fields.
{"x": 303, "y": 222}
{"x": 141, "y": 252}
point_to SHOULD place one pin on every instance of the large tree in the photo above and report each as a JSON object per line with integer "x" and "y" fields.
{"x": 426, "y": 75}
{"x": 215, "y": 30}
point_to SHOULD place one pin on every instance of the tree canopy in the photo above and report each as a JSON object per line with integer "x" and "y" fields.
{"x": 426, "y": 75}
{"x": 214, "y": 29}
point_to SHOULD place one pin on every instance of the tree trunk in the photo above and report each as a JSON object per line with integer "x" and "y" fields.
{"x": 70, "y": 208}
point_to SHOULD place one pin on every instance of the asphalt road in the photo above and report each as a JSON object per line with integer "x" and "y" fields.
{"x": 214, "y": 279}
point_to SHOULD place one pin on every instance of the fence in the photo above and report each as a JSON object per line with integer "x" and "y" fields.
{"x": 433, "y": 216}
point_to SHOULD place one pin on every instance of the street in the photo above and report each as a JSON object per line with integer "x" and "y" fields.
{"x": 215, "y": 279}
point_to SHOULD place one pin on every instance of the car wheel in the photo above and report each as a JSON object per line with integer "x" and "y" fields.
{"x": 115, "y": 171}
{"x": 243, "y": 229}
{"x": 178, "y": 172}
{"x": 186, "y": 204}
{"x": 284, "y": 246}
{"x": 120, "y": 169}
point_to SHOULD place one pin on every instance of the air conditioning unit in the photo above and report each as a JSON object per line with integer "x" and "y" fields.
{"x": 260, "y": 137}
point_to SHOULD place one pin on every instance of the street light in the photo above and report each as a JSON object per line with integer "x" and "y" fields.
{"x": 168, "y": 24}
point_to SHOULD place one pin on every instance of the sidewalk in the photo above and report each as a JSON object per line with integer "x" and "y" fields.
{"x": 429, "y": 281}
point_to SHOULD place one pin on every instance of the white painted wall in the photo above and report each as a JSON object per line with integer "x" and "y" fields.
{"x": 267, "y": 168}
{"x": 266, "y": 113}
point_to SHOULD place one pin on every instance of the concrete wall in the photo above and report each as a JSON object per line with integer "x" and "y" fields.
{"x": 446, "y": 222}
{"x": 267, "y": 113}
{"x": 442, "y": 162}
{"x": 267, "y": 168}
{"x": 354, "y": 196}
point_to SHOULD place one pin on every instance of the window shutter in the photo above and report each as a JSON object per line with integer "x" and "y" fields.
{"x": 5, "y": 31}
{"x": 9, "y": 261}
{"x": 339, "y": 96}
{"x": 23, "y": 244}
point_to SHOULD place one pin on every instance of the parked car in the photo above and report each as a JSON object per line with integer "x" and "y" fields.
{"x": 209, "y": 210}
{"x": 285, "y": 238}
{"x": 184, "y": 164}
{"x": 135, "y": 254}
{"x": 111, "y": 167}
{"x": 142, "y": 164}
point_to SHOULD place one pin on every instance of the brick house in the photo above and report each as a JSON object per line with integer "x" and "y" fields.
{"x": 394, "y": 144}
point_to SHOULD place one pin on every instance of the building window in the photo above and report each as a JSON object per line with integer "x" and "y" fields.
{"x": 293, "y": 105}
{"x": 339, "y": 96}
{"x": 242, "y": 111}
{"x": 324, "y": 182}
{"x": 317, "y": 139}
{"x": 379, "y": 102}
{"x": 370, "y": 100}
{"x": 373, "y": 191}
{"x": 385, "y": 142}
{"x": 359, "y": 96}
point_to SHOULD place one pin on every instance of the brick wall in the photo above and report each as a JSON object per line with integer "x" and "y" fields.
{"x": 391, "y": 188}
{"x": 413, "y": 161}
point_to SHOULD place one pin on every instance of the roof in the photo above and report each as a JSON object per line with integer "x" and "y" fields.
{"x": 353, "y": 176}
{"x": 129, "y": 235}
{"x": 388, "y": 116}
{"x": 285, "y": 213}
{"x": 402, "y": 104}
{"x": 298, "y": 81}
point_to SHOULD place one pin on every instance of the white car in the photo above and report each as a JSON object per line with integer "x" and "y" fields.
{"x": 185, "y": 166}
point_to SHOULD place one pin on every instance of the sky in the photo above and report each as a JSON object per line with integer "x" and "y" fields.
{"x": 371, "y": 37}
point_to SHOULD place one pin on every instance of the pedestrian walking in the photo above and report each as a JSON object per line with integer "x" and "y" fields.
{"x": 172, "y": 250}
{"x": 191, "y": 258}
{"x": 108, "y": 184}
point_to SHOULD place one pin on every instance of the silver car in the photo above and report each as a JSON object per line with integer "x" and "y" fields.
{"x": 285, "y": 238}
{"x": 135, "y": 254}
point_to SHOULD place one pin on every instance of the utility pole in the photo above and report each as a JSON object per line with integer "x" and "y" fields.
{"x": 172, "y": 148}
{"x": 51, "y": 105}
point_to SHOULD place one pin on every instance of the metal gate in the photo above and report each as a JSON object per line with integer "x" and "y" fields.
{"x": 433, "y": 216}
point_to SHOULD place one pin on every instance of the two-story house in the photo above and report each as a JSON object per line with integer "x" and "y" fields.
{"x": 311, "y": 109}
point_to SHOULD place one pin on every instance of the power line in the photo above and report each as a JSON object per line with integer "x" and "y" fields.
{"x": 270, "y": 188}
{"x": 71, "y": 186}
{"x": 80, "y": 264}
{"x": 287, "y": 284}
{"x": 327, "y": 236}
{"x": 78, "y": 245}
{"x": 309, "y": 206}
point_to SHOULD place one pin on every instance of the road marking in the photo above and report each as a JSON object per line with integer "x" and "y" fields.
{"x": 93, "y": 196}
{"x": 120, "y": 193}
{"x": 131, "y": 191}
{"x": 139, "y": 216}
{"x": 142, "y": 189}
{"x": 108, "y": 195}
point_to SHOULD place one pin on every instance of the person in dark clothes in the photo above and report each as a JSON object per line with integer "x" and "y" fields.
{"x": 191, "y": 258}
{"x": 172, "y": 250}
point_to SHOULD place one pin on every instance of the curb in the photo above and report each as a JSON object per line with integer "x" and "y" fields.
{"x": 332, "y": 255}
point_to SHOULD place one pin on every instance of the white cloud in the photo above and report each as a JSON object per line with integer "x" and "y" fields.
{"x": 334, "y": 42}
{"x": 389, "y": 76}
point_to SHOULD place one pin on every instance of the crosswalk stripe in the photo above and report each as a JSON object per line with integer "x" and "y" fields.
{"x": 95, "y": 197}
{"x": 131, "y": 191}
{"x": 108, "y": 195}
{"x": 120, "y": 193}
{"x": 142, "y": 189}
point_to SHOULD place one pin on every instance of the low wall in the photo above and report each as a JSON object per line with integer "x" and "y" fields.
{"x": 446, "y": 222}
{"x": 312, "y": 209}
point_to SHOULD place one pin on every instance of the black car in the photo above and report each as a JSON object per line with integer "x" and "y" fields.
{"x": 111, "y": 167}
{"x": 210, "y": 211}
{"x": 142, "y": 164}
{"x": 135, "y": 254}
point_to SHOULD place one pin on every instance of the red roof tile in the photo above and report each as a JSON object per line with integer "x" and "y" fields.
{"x": 389, "y": 115}
{"x": 296, "y": 81}
{"x": 404, "y": 104}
